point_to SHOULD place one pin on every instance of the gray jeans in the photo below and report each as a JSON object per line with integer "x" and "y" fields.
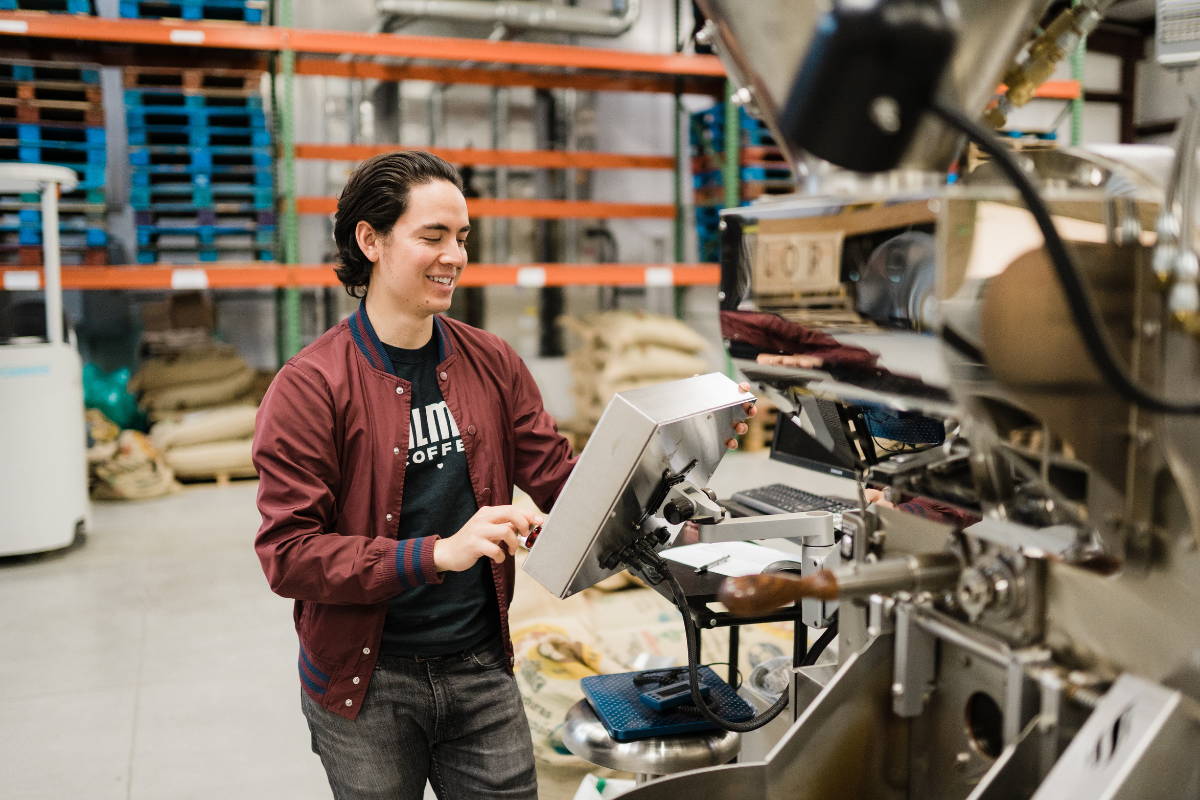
{"x": 456, "y": 721}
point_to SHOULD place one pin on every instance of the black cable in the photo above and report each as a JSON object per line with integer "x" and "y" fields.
{"x": 1083, "y": 309}
{"x": 822, "y": 642}
{"x": 693, "y": 650}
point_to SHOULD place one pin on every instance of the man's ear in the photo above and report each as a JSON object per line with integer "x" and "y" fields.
{"x": 368, "y": 240}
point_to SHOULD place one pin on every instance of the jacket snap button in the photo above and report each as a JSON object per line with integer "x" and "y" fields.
{"x": 366, "y": 651}
{"x": 471, "y": 429}
{"x": 395, "y": 451}
{"x": 442, "y": 375}
{"x": 388, "y": 517}
{"x": 357, "y": 680}
{"x": 349, "y": 702}
{"x": 399, "y": 390}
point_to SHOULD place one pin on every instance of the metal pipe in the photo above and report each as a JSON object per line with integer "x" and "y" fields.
{"x": 521, "y": 14}
{"x": 291, "y": 340}
{"x": 51, "y": 263}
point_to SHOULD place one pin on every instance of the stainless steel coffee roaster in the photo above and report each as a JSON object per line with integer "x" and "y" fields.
{"x": 1040, "y": 317}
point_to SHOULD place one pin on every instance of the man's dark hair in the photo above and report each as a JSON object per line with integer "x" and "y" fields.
{"x": 377, "y": 193}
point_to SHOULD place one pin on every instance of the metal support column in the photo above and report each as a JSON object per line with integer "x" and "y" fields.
{"x": 733, "y": 150}
{"x": 1077, "y": 58}
{"x": 289, "y": 298}
{"x": 680, "y": 158}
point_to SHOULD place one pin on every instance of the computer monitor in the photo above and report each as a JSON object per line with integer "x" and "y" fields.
{"x": 821, "y": 437}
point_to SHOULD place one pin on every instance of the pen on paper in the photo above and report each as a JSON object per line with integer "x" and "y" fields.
{"x": 705, "y": 567}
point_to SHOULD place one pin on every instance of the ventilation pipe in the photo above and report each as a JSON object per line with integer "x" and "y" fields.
{"x": 521, "y": 14}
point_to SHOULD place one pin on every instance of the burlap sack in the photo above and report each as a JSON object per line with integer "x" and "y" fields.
{"x": 229, "y": 458}
{"x": 212, "y": 362}
{"x": 201, "y": 393}
{"x": 653, "y": 361}
{"x": 209, "y": 425}
{"x": 135, "y": 472}
{"x": 614, "y": 331}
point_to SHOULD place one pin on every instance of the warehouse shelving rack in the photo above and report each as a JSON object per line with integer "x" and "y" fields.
{"x": 306, "y": 51}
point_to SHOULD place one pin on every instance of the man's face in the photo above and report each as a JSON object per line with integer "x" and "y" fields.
{"x": 418, "y": 262}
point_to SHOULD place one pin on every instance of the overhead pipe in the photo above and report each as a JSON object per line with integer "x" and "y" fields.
{"x": 521, "y": 14}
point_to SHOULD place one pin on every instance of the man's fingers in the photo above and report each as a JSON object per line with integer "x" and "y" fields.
{"x": 510, "y": 541}
{"x": 731, "y": 444}
{"x": 750, "y": 408}
{"x": 513, "y": 516}
{"x": 493, "y": 552}
{"x": 740, "y": 427}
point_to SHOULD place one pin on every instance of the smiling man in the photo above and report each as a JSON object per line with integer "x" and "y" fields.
{"x": 387, "y": 451}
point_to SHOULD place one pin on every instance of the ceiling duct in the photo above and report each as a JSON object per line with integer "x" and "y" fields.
{"x": 521, "y": 15}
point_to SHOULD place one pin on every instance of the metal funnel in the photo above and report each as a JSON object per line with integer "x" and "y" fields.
{"x": 763, "y": 44}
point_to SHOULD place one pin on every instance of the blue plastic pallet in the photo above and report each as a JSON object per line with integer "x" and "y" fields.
{"x": 702, "y": 180}
{"x": 206, "y": 235}
{"x": 198, "y": 117}
{"x": 76, "y": 197}
{"x": 626, "y": 718}
{"x": 227, "y": 214}
{"x": 173, "y": 98}
{"x": 143, "y": 175}
{"x": 198, "y": 136}
{"x": 53, "y": 6}
{"x": 199, "y": 158}
{"x": 72, "y": 220}
{"x": 151, "y": 256}
{"x": 91, "y": 175}
{"x": 53, "y": 135}
{"x": 235, "y": 10}
{"x": 189, "y": 195}
{"x": 48, "y": 72}
{"x": 77, "y": 154}
{"x": 89, "y": 237}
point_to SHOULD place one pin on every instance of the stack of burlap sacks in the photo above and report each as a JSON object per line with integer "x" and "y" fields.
{"x": 202, "y": 403}
{"x": 124, "y": 464}
{"x": 614, "y": 351}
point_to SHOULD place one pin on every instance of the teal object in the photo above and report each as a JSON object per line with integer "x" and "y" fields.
{"x": 108, "y": 393}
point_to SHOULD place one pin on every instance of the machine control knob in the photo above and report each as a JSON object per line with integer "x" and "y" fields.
{"x": 679, "y": 509}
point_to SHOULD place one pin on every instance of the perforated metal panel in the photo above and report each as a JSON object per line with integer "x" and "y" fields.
{"x": 1178, "y": 32}
{"x": 626, "y": 718}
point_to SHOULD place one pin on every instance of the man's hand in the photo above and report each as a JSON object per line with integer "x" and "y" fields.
{"x": 797, "y": 360}
{"x": 492, "y": 533}
{"x": 877, "y": 498}
{"x": 741, "y": 427}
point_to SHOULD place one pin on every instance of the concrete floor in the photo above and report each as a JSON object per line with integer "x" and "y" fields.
{"x": 153, "y": 662}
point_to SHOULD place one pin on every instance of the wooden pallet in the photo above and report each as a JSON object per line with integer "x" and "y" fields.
{"x": 762, "y": 428}
{"x": 213, "y": 82}
{"x": 976, "y": 157}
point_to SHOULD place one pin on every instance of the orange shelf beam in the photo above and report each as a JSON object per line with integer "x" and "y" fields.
{"x": 442, "y": 73}
{"x": 301, "y": 40}
{"x": 553, "y": 159}
{"x": 1053, "y": 90}
{"x": 270, "y": 275}
{"x": 535, "y": 209}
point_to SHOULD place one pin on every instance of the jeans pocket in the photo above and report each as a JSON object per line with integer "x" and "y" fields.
{"x": 490, "y": 657}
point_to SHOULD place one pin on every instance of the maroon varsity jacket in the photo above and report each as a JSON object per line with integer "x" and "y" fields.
{"x": 330, "y": 447}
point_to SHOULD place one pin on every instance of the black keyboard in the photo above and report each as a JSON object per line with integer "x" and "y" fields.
{"x": 779, "y": 498}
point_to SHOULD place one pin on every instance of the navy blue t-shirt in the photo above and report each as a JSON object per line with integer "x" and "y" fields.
{"x": 460, "y": 612}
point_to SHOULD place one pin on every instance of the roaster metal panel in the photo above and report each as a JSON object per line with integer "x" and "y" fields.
{"x": 642, "y": 433}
